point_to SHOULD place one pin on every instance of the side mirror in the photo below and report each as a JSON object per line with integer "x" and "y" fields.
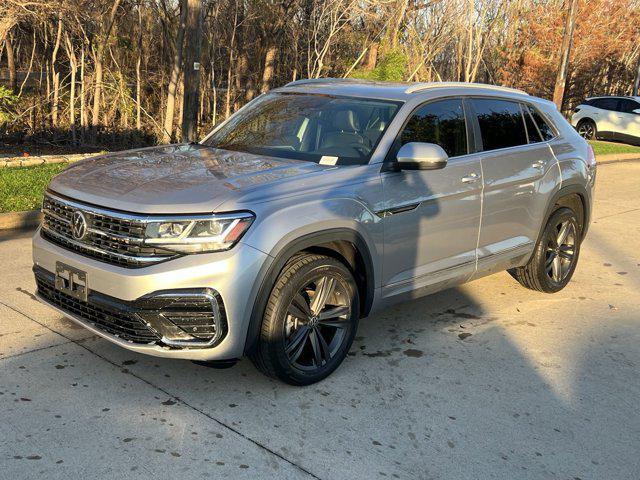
{"x": 421, "y": 156}
{"x": 637, "y": 111}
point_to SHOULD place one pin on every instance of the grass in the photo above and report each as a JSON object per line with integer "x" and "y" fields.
{"x": 21, "y": 188}
{"x": 607, "y": 148}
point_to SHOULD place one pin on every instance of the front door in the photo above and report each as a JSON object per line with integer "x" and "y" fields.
{"x": 432, "y": 217}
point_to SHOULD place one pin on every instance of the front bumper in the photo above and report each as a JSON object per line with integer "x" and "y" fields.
{"x": 231, "y": 275}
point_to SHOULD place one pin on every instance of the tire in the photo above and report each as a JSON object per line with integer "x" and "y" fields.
{"x": 587, "y": 129}
{"x": 309, "y": 322}
{"x": 556, "y": 254}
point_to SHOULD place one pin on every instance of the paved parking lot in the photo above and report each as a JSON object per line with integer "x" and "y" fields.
{"x": 488, "y": 380}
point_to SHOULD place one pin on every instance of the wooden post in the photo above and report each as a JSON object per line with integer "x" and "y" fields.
{"x": 567, "y": 41}
{"x": 193, "y": 44}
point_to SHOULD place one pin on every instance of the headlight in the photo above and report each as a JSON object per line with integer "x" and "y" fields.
{"x": 198, "y": 234}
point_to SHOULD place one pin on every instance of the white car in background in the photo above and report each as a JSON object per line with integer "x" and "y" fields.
{"x": 611, "y": 118}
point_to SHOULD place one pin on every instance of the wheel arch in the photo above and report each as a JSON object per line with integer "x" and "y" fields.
{"x": 344, "y": 244}
{"x": 574, "y": 196}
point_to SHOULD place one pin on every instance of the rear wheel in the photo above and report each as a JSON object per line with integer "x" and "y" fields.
{"x": 587, "y": 129}
{"x": 309, "y": 322}
{"x": 556, "y": 254}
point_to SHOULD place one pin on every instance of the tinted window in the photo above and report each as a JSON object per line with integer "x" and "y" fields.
{"x": 501, "y": 123}
{"x": 628, "y": 106}
{"x": 439, "y": 122}
{"x": 606, "y": 103}
{"x": 545, "y": 129}
{"x": 532, "y": 129}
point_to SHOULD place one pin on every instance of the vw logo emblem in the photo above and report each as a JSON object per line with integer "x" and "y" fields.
{"x": 78, "y": 225}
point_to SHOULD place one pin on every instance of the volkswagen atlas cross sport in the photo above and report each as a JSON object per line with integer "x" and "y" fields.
{"x": 307, "y": 210}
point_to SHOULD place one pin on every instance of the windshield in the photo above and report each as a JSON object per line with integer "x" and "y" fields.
{"x": 318, "y": 128}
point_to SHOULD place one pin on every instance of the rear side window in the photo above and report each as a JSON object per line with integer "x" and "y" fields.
{"x": 545, "y": 129}
{"x": 440, "y": 122}
{"x": 606, "y": 103}
{"x": 501, "y": 123}
{"x": 628, "y": 106}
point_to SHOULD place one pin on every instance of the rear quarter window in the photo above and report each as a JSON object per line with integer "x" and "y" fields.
{"x": 545, "y": 129}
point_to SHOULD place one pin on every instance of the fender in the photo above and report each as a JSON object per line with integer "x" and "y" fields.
{"x": 270, "y": 271}
{"x": 563, "y": 192}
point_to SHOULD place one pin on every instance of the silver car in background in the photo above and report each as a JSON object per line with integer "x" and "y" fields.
{"x": 310, "y": 208}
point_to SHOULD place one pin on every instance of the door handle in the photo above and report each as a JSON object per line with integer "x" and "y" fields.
{"x": 540, "y": 164}
{"x": 471, "y": 178}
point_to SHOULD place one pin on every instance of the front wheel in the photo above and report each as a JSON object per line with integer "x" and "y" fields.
{"x": 309, "y": 322}
{"x": 556, "y": 254}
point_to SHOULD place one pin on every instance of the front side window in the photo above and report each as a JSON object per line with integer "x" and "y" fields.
{"x": 342, "y": 130}
{"x": 440, "y": 122}
{"x": 501, "y": 123}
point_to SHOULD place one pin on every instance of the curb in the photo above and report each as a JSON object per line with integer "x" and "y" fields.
{"x": 9, "y": 162}
{"x": 20, "y": 220}
{"x": 617, "y": 157}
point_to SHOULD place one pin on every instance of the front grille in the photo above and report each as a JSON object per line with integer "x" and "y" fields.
{"x": 111, "y": 237}
{"x": 119, "y": 322}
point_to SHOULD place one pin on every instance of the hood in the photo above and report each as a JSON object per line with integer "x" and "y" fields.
{"x": 173, "y": 178}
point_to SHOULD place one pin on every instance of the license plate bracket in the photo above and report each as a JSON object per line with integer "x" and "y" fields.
{"x": 71, "y": 281}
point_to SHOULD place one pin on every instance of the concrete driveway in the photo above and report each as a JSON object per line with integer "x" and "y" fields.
{"x": 488, "y": 380}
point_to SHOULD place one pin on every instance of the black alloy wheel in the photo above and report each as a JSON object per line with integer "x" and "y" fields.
{"x": 310, "y": 320}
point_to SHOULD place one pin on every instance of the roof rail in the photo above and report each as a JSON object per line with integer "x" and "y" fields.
{"x": 418, "y": 87}
{"x": 305, "y": 81}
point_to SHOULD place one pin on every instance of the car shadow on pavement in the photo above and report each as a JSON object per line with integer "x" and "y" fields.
{"x": 433, "y": 388}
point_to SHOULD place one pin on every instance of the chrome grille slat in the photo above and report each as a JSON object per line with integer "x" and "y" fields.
{"x": 113, "y": 237}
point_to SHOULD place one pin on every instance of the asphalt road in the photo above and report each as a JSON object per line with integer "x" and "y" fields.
{"x": 488, "y": 380}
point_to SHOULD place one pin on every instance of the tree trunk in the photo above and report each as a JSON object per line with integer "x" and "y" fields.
{"x": 242, "y": 63}
{"x": 567, "y": 41}
{"x": 83, "y": 99}
{"x": 193, "y": 46}
{"x": 55, "y": 76}
{"x": 267, "y": 73}
{"x": 99, "y": 52}
{"x": 636, "y": 85}
{"x": 11, "y": 63}
{"x": 372, "y": 56}
{"x": 73, "y": 63}
{"x": 393, "y": 33}
{"x": 138, "y": 73}
{"x": 175, "y": 75}
{"x": 232, "y": 43}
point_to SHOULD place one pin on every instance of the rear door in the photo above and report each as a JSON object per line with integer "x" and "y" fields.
{"x": 606, "y": 116}
{"x": 629, "y": 120}
{"x": 432, "y": 217}
{"x": 520, "y": 173}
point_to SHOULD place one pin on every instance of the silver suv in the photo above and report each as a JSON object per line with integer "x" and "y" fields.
{"x": 304, "y": 212}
